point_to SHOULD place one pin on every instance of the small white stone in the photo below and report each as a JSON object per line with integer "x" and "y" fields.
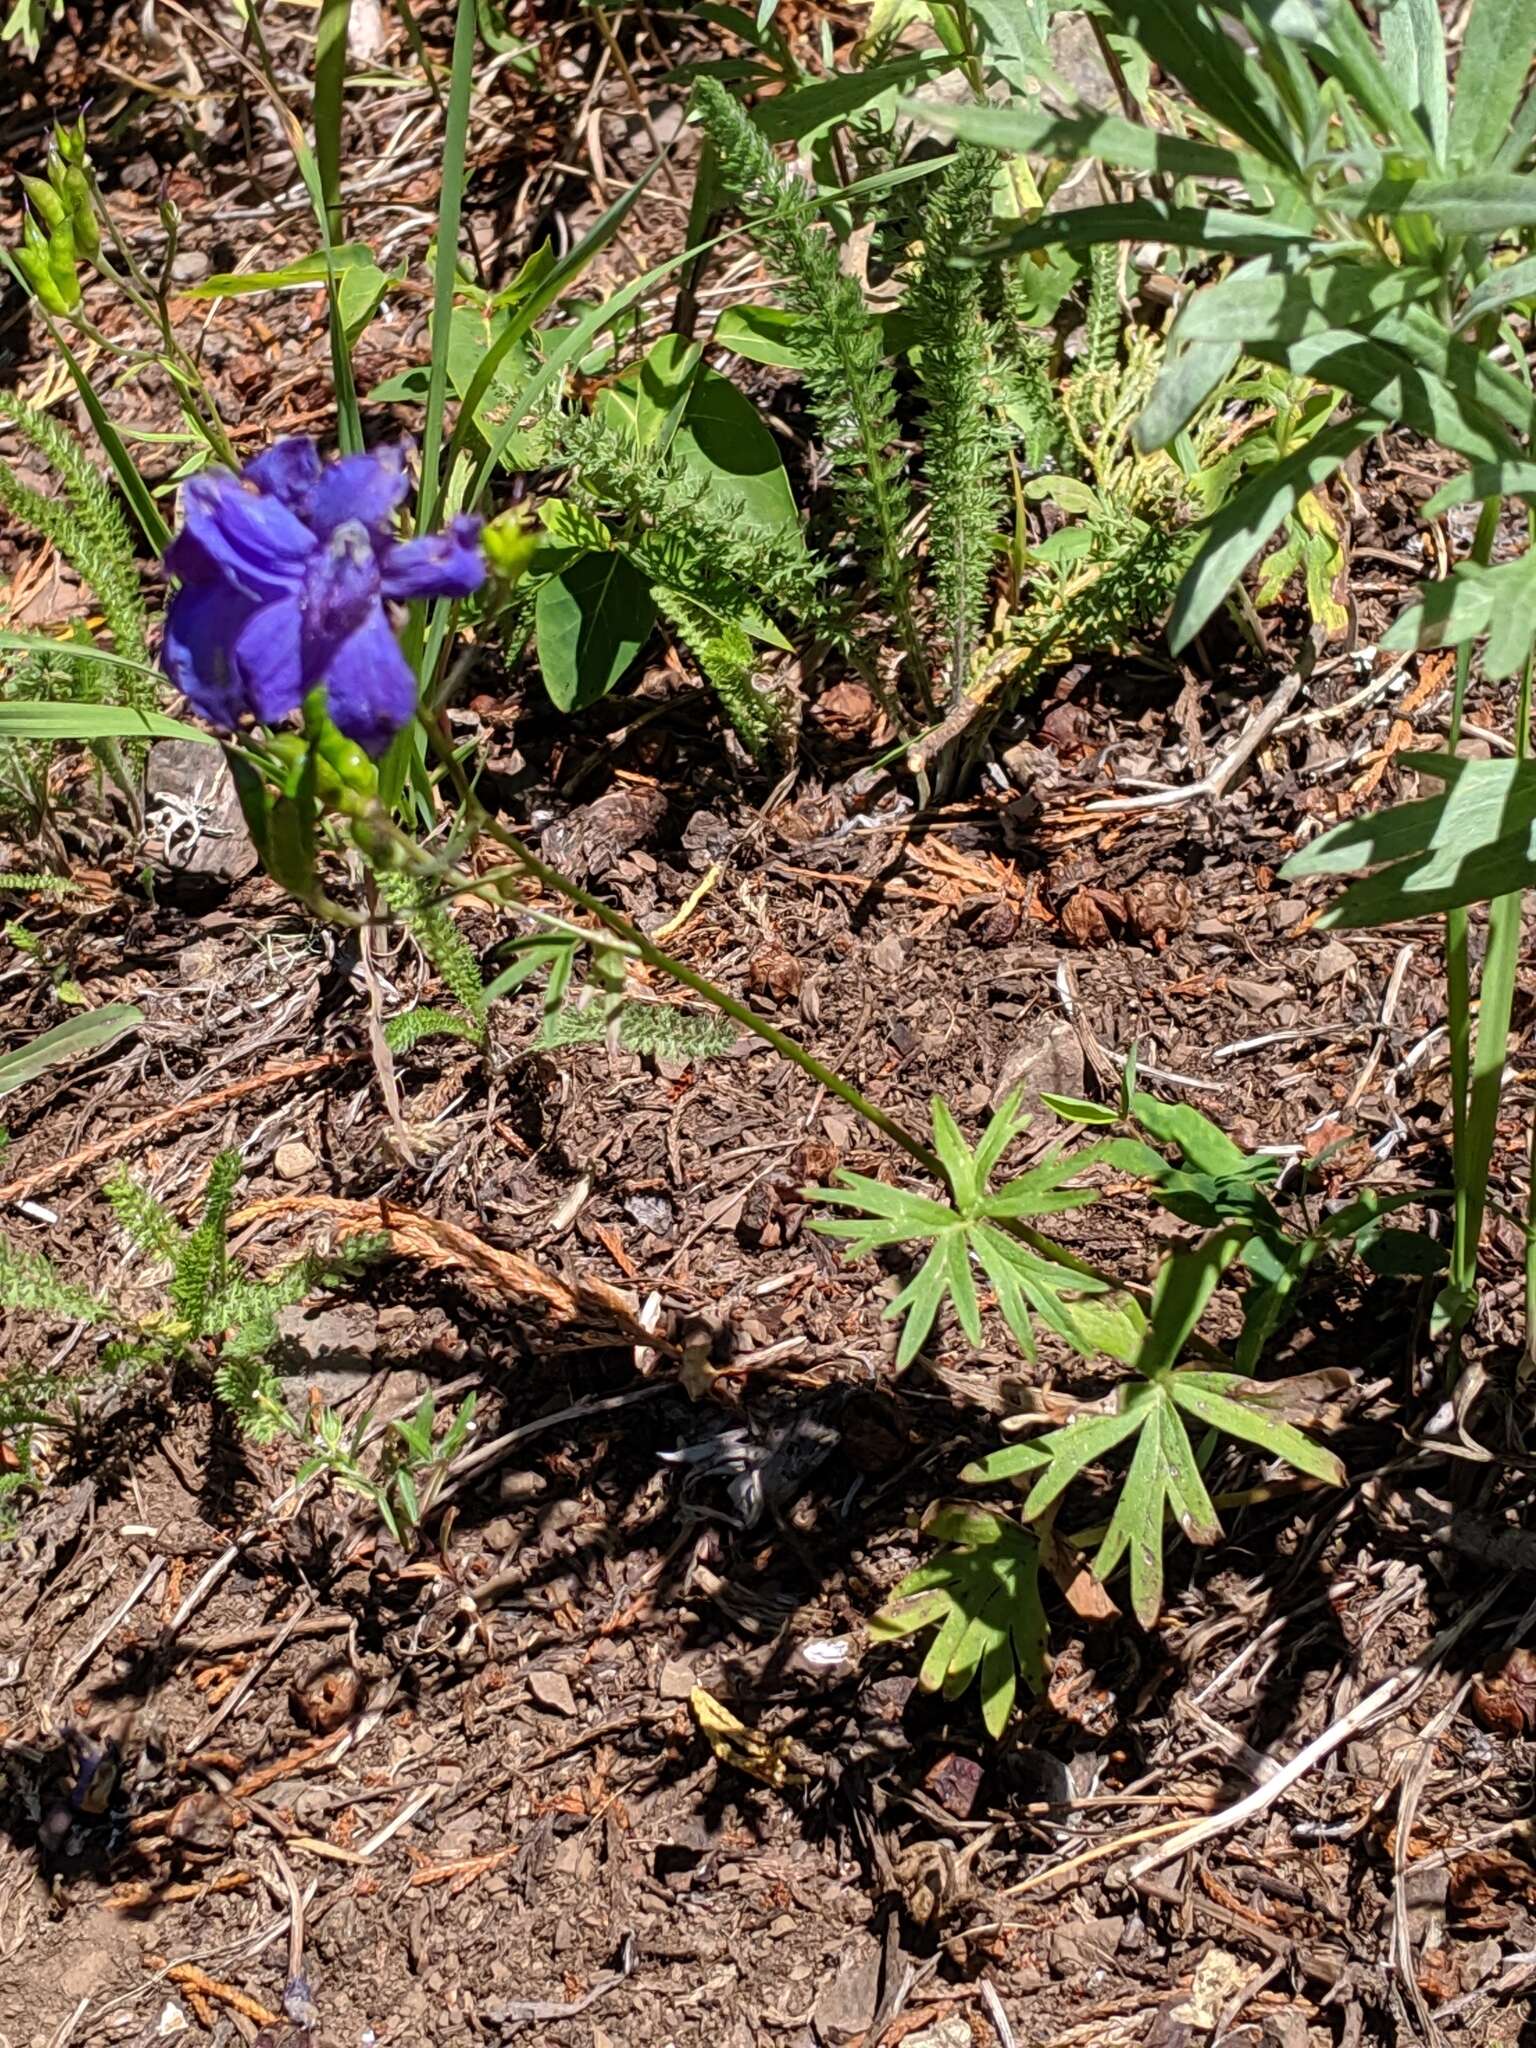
{"x": 294, "y": 1160}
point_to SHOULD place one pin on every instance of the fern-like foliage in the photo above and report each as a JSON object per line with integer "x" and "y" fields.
{"x": 147, "y": 1224}
{"x": 207, "y": 1299}
{"x": 659, "y": 1029}
{"x": 202, "y": 1258}
{"x": 1103, "y": 320}
{"x": 711, "y": 566}
{"x": 724, "y": 652}
{"x": 29, "y": 1281}
{"x": 1027, "y": 383}
{"x": 410, "y": 1027}
{"x": 431, "y": 924}
{"x": 846, "y": 374}
{"x": 252, "y": 1392}
{"x": 962, "y": 448}
{"x": 679, "y": 508}
{"x": 36, "y": 883}
{"x": 86, "y": 525}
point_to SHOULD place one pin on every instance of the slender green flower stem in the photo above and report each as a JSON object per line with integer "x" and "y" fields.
{"x": 1458, "y": 974}
{"x": 475, "y": 819}
{"x": 721, "y": 999}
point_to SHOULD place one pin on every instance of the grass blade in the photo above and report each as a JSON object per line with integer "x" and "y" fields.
{"x": 42, "y": 721}
{"x": 330, "y": 84}
{"x": 449, "y": 213}
{"x": 71, "y": 1040}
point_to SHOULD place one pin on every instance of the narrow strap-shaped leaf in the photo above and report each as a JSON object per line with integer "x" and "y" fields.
{"x": 1109, "y": 137}
{"x": 1413, "y": 38}
{"x": 954, "y": 1154}
{"x": 1137, "y": 1527}
{"x": 1191, "y": 43}
{"x": 1496, "y": 53}
{"x": 919, "y": 1302}
{"x": 134, "y": 488}
{"x": 1004, "y": 1126}
{"x": 1345, "y": 51}
{"x": 330, "y": 83}
{"x": 39, "y": 720}
{"x": 1008, "y": 1463}
{"x": 445, "y": 274}
{"x": 90, "y": 1031}
{"x": 962, "y": 1283}
{"x": 1216, "y": 228}
{"x": 1480, "y": 203}
{"x": 1182, "y": 1479}
{"x": 1180, "y": 1295}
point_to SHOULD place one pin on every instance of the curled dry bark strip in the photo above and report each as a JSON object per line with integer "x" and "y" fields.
{"x": 445, "y": 1247}
{"x": 165, "y": 1120}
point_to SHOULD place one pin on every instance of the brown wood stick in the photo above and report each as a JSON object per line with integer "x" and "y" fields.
{"x": 167, "y": 1119}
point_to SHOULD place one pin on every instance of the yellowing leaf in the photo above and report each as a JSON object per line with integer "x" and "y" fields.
{"x": 767, "y": 1758}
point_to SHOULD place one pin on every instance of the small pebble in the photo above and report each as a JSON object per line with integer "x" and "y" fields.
{"x": 552, "y": 1689}
{"x": 516, "y": 1486}
{"x": 294, "y": 1160}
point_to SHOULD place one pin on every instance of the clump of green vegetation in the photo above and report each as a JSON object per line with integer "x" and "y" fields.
{"x": 210, "y": 1314}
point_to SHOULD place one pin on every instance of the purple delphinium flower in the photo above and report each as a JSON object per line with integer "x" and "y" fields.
{"x": 284, "y": 571}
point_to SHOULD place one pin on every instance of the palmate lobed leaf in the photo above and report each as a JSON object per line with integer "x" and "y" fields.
{"x": 1028, "y": 1281}
{"x": 1164, "y": 1477}
{"x": 982, "y": 1597}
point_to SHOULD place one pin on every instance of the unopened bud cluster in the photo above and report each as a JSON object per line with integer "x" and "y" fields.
{"x": 60, "y": 226}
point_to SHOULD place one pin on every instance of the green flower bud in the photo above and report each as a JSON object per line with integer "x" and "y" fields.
{"x": 82, "y": 212}
{"x": 49, "y": 207}
{"x": 70, "y": 141}
{"x": 510, "y": 546}
{"x": 44, "y": 290}
{"x": 41, "y": 263}
{"x": 347, "y": 759}
{"x": 61, "y": 264}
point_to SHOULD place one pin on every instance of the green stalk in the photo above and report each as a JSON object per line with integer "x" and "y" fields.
{"x": 1462, "y": 1284}
{"x": 708, "y": 991}
{"x": 406, "y": 760}
{"x": 445, "y": 277}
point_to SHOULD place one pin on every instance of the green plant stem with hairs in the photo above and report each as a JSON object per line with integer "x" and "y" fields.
{"x": 474, "y": 815}
{"x": 962, "y": 447}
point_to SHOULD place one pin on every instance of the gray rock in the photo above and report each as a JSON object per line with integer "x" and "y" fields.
{"x": 331, "y": 1346}
{"x": 552, "y": 1690}
{"x": 194, "y": 814}
{"x": 846, "y": 2006}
